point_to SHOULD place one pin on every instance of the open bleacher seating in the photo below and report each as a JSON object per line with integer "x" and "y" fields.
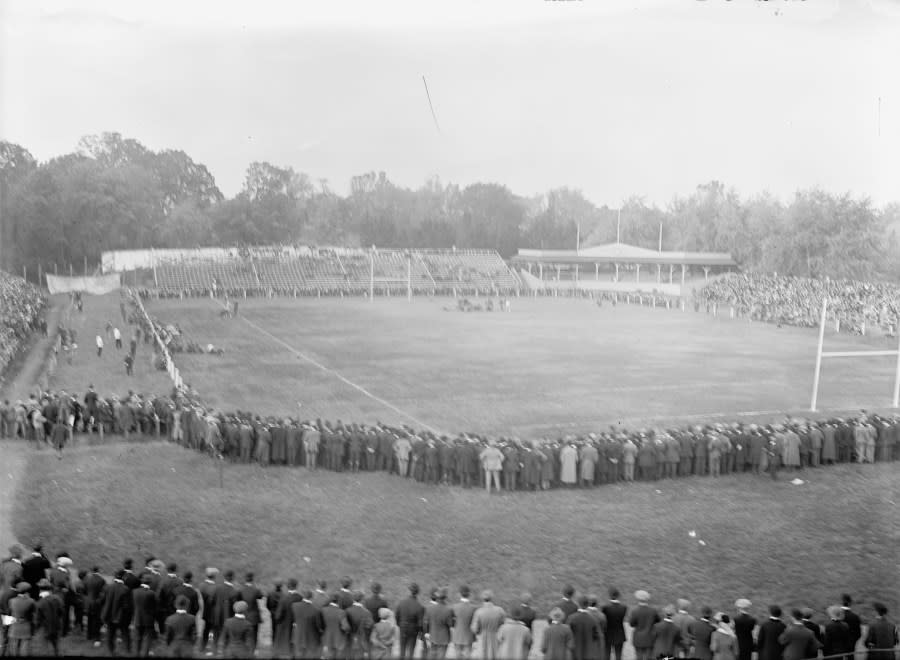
{"x": 339, "y": 270}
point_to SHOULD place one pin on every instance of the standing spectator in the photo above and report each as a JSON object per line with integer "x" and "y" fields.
{"x": 701, "y": 635}
{"x": 615, "y": 613}
{"x": 337, "y": 627}
{"x": 851, "y": 618}
{"x": 586, "y": 634}
{"x": 485, "y": 623}
{"x": 181, "y": 630}
{"x": 48, "y": 618}
{"x": 308, "y": 627}
{"x": 723, "y": 643}
{"x": 118, "y": 611}
{"x": 129, "y": 365}
{"x": 99, "y": 342}
{"x": 798, "y": 640}
{"x": 882, "y": 636}
{"x": 361, "y": 624}
{"x": 94, "y": 590}
{"x": 666, "y": 635}
{"x": 837, "y": 639}
{"x": 461, "y": 634}
{"x": 558, "y": 642}
{"x": 642, "y": 620}
{"x": 410, "y": 615}
{"x": 383, "y": 636}
{"x": 514, "y": 638}
{"x": 21, "y": 609}
{"x": 767, "y": 642}
{"x": 144, "y": 616}
{"x": 491, "y": 462}
{"x": 437, "y": 624}
{"x": 237, "y": 633}
{"x": 118, "y": 337}
{"x": 744, "y": 624}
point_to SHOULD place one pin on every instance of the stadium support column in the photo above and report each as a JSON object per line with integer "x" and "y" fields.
{"x": 637, "y": 273}
{"x": 597, "y": 272}
{"x": 409, "y": 277}
{"x": 815, "y": 392}
{"x": 682, "y": 278}
{"x": 617, "y": 271}
{"x": 658, "y": 273}
{"x": 671, "y": 270}
{"x": 541, "y": 272}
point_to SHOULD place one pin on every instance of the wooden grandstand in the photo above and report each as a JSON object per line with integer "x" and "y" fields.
{"x": 334, "y": 270}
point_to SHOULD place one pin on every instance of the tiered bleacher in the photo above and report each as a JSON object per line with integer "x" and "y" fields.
{"x": 332, "y": 271}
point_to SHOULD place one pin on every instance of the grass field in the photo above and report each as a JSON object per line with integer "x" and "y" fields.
{"x": 548, "y": 366}
{"x": 767, "y": 541}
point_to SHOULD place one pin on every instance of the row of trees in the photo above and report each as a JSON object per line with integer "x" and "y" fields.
{"x": 114, "y": 193}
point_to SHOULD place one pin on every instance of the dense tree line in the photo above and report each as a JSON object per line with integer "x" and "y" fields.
{"x": 114, "y": 193}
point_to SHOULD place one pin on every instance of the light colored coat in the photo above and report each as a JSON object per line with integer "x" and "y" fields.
{"x": 485, "y": 623}
{"x": 514, "y": 639}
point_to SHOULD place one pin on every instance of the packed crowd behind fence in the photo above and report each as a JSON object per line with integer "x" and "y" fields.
{"x": 44, "y": 602}
{"x": 21, "y": 305}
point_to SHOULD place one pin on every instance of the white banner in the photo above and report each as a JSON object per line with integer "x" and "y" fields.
{"x": 96, "y": 285}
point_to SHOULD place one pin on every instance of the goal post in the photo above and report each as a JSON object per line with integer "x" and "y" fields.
{"x": 822, "y": 354}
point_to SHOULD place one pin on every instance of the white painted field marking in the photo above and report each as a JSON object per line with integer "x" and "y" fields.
{"x": 340, "y": 377}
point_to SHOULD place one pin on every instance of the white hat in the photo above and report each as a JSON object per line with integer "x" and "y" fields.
{"x": 642, "y": 596}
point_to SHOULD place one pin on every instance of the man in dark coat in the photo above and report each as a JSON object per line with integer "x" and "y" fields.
{"x": 615, "y": 613}
{"x": 34, "y": 569}
{"x": 308, "y": 627}
{"x": 224, "y": 598}
{"x": 567, "y": 605}
{"x": 585, "y": 633}
{"x": 744, "y": 624}
{"x": 837, "y": 639}
{"x": 131, "y": 580}
{"x": 409, "y": 615}
{"x": 21, "y": 609}
{"x": 375, "y": 602}
{"x": 525, "y": 611}
{"x": 94, "y": 589}
{"x": 852, "y": 620}
{"x": 437, "y": 624}
{"x": 237, "y": 633}
{"x": 361, "y": 624}
{"x": 814, "y": 628}
{"x": 701, "y": 635}
{"x": 767, "y": 643}
{"x": 666, "y": 635}
{"x": 798, "y": 640}
{"x": 48, "y": 618}
{"x": 187, "y": 589}
{"x": 251, "y": 594}
{"x": 881, "y": 639}
{"x": 145, "y": 605}
{"x": 337, "y": 627}
{"x": 642, "y": 620}
{"x": 181, "y": 630}
{"x": 118, "y": 610}
{"x": 207, "y": 595}
{"x": 272, "y": 597}
{"x": 165, "y": 596}
{"x": 284, "y": 619}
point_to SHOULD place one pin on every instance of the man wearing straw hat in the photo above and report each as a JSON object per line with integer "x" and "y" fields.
{"x": 642, "y": 620}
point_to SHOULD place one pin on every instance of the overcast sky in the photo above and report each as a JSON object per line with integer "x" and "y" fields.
{"x": 613, "y": 97}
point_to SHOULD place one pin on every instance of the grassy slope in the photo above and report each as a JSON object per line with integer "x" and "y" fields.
{"x": 770, "y": 542}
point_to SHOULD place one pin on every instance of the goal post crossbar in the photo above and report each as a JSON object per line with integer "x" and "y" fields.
{"x": 820, "y": 354}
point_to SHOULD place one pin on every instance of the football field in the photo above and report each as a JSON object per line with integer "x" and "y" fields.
{"x": 547, "y": 366}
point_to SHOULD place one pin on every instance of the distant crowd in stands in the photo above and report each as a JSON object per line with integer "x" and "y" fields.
{"x": 21, "y": 312}
{"x": 798, "y": 300}
{"x": 157, "y": 610}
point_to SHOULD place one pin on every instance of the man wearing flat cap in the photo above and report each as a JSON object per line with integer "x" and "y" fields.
{"x": 683, "y": 620}
{"x": 237, "y": 633}
{"x": 642, "y": 619}
{"x": 437, "y": 624}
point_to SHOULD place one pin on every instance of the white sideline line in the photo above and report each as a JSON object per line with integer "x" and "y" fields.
{"x": 337, "y": 375}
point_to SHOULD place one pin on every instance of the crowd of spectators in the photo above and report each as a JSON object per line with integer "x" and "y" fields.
{"x": 21, "y": 307}
{"x": 155, "y": 610}
{"x": 798, "y": 300}
{"x": 467, "y": 459}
